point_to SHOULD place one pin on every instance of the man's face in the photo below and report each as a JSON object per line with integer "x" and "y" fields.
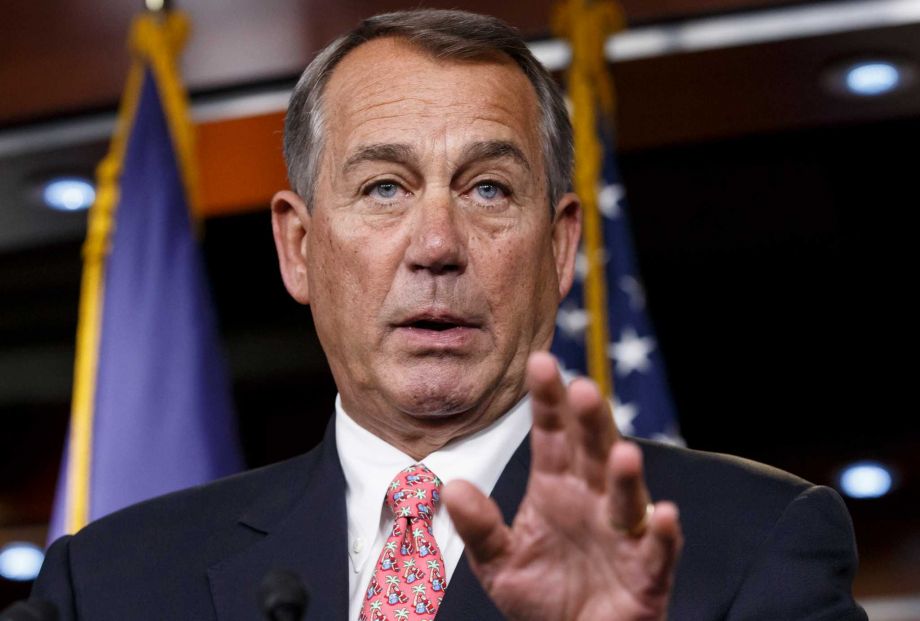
{"x": 430, "y": 258}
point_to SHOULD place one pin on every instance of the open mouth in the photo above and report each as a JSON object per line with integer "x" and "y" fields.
{"x": 435, "y": 324}
{"x": 438, "y": 330}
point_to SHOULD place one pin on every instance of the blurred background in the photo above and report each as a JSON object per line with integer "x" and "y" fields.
{"x": 769, "y": 152}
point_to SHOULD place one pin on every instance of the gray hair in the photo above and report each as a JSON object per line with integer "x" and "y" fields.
{"x": 457, "y": 35}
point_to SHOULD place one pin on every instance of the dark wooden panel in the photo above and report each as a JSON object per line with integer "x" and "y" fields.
{"x": 69, "y": 56}
{"x": 755, "y": 89}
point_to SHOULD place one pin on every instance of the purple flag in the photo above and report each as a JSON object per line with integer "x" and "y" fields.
{"x": 162, "y": 414}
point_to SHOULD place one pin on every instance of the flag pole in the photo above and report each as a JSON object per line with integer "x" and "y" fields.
{"x": 586, "y": 25}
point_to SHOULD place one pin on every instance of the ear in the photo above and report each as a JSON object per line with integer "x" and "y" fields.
{"x": 290, "y": 227}
{"x": 566, "y": 233}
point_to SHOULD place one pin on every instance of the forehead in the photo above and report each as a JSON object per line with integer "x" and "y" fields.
{"x": 388, "y": 90}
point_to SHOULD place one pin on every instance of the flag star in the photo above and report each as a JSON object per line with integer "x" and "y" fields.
{"x": 573, "y": 321}
{"x": 631, "y": 352}
{"x": 582, "y": 266}
{"x": 669, "y": 437}
{"x": 608, "y": 200}
{"x": 631, "y": 286}
{"x": 624, "y": 414}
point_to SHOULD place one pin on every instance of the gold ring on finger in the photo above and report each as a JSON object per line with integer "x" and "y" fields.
{"x": 640, "y": 527}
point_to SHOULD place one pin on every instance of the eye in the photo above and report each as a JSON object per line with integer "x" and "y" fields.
{"x": 488, "y": 190}
{"x": 384, "y": 193}
{"x": 489, "y": 193}
{"x": 383, "y": 189}
{"x": 489, "y": 196}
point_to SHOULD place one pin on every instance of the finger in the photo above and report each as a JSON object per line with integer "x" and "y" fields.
{"x": 546, "y": 390}
{"x": 661, "y": 547}
{"x": 628, "y": 496}
{"x": 551, "y": 451}
{"x": 592, "y": 432}
{"x": 479, "y": 523}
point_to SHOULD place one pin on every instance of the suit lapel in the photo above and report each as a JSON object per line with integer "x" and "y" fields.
{"x": 465, "y": 598}
{"x": 305, "y": 531}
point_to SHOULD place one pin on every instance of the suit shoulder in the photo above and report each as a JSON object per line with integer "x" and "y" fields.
{"x": 159, "y": 551}
{"x": 734, "y": 513}
{"x": 728, "y": 505}
{"x": 200, "y": 513}
{"x": 675, "y": 472}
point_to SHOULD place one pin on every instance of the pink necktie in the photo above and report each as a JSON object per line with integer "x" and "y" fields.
{"x": 409, "y": 579}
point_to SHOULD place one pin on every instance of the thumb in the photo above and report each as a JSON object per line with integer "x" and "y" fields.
{"x": 478, "y": 522}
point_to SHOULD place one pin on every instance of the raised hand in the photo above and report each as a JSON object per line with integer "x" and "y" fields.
{"x": 586, "y": 543}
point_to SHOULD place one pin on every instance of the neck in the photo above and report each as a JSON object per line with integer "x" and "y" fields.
{"x": 419, "y": 436}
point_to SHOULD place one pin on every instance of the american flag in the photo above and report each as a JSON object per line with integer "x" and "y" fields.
{"x": 642, "y": 401}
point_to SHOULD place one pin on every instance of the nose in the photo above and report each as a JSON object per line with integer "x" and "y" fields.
{"x": 437, "y": 242}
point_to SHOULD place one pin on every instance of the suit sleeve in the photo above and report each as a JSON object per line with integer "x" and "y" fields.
{"x": 54, "y": 583}
{"x": 805, "y": 568}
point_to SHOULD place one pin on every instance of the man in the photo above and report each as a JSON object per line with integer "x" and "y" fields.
{"x": 431, "y": 232}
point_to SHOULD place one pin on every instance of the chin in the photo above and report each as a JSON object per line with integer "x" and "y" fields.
{"x": 438, "y": 395}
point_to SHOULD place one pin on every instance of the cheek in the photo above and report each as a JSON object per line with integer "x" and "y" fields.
{"x": 517, "y": 273}
{"x": 327, "y": 261}
{"x": 348, "y": 272}
{"x": 332, "y": 271}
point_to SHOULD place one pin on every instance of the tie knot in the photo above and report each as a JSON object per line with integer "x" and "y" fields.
{"x": 414, "y": 493}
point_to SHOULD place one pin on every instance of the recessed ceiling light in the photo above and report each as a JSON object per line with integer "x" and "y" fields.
{"x": 868, "y": 78}
{"x": 20, "y": 561}
{"x": 866, "y": 479}
{"x": 873, "y": 78}
{"x": 69, "y": 193}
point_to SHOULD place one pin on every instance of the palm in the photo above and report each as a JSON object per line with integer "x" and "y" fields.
{"x": 555, "y": 572}
{"x": 562, "y": 559}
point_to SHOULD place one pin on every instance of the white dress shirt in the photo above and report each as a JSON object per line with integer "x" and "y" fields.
{"x": 369, "y": 465}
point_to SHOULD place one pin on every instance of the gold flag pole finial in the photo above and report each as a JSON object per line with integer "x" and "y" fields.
{"x": 158, "y": 6}
{"x": 586, "y": 25}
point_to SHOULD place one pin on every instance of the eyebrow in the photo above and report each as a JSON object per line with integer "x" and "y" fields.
{"x": 494, "y": 150}
{"x": 401, "y": 153}
{"x": 386, "y": 152}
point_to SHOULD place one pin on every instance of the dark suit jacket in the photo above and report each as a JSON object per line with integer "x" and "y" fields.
{"x": 760, "y": 544}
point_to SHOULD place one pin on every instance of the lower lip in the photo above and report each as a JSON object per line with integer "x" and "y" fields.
{"x": 440, "y": 340}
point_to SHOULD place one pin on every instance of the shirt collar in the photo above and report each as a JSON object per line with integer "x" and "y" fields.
{"x": 369, "y": 463}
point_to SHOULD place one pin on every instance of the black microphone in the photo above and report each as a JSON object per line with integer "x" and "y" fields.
{"x": 30, "y": 610}
{"x": 282, "y": 596}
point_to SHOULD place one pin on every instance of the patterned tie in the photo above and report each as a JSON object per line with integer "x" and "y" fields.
{"x": 409, "y": 580}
